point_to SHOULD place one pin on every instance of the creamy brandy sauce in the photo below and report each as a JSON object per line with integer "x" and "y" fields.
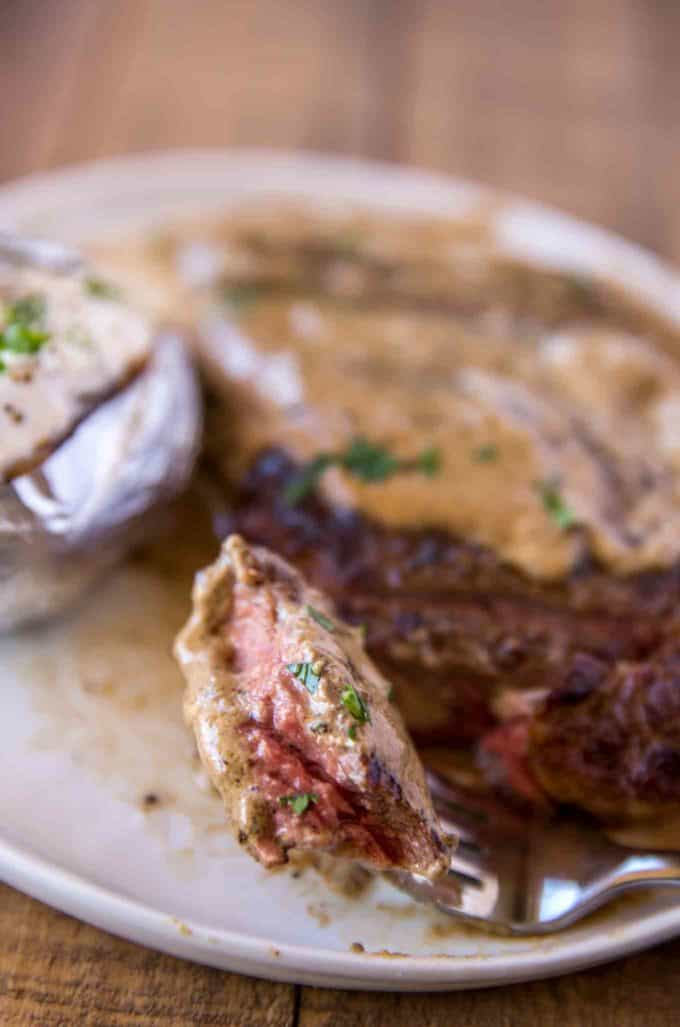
{"x": 587, "y": 411}
{"x": 662, "y": 835}
{"x": 590, "y": 409}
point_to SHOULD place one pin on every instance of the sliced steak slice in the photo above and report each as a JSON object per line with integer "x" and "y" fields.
{"x": 294, "y": 723}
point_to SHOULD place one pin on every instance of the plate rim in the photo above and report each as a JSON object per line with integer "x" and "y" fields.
{"x": 135, "y": 921}
{"x": 79, "y": 896}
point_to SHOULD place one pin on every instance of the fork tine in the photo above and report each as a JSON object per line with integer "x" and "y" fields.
{"x": 470, "y": 869}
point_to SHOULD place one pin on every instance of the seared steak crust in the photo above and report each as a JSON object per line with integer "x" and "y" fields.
{"x": 608, "y": 738}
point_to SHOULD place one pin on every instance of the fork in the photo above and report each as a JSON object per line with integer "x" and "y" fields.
{"x": 529, "y": 876}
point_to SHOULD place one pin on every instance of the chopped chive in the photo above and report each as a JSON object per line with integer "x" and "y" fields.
{"x": 239, "y": 295}
{"x": 304, "y": 673}
{"x": 24, "y": 330}
{"x": 307, "y": 479}
{"x": 299, "y": 803}
{"x": 102, "y": 289}
{"x": 347, "y": 242}
{"x": 555, "y": 505}
{"x": 320, "y": 618}
{"x": 485, "y": 454}
{"x": 583, "y": 289}
{"x": 354, "y": 704}
{"x": 363, "y": 460}
{"x": 429, "y": 462}
{"x": 28, "y": 309}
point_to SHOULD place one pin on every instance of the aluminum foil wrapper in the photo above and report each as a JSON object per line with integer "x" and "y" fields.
{"x": 101, "y": 490}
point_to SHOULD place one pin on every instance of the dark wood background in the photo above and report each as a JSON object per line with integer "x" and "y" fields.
{"x": 572, "y": 102}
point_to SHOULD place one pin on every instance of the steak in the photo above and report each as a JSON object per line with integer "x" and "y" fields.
{"x": 485, "y": 469}
{"x": 295, "y": 725}
{"x": 468, "y": 641}
{"x": 608, "y": 738}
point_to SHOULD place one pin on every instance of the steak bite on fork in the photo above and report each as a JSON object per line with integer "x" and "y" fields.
{"x": 294, "y": 723}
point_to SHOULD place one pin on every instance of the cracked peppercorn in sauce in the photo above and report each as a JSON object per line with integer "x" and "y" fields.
{"x": 476, "y": 458}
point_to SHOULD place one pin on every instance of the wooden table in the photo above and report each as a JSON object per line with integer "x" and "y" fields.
{"x": 572, "y": 103}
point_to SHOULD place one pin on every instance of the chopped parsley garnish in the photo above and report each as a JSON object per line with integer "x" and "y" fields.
{"x": 306, "y": 480}
{"x": 352, "y": 732}
{"x": 320, "y": 728}
{"x": 320, "y": 618}
{"x": 28, "y": 309}
{"x": 304, "y": 672}
{"x": 101, "y": 289}
{"x": 299, "y": 803}
{"x": 354, "y": 704}
{"x": 555, "y": 505}
{"x": 370, "y": 462}
{"x": 24, "y": 329}
{"x": 486, "y": 454}
{"x": 364, "y": 460}
{"x": 238, "y": 295}
{"x": 346, "y": 243}
{"x": 583, "y": 290}
{"x": 429, "y": 462}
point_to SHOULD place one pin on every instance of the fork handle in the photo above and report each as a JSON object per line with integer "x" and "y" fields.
{"x": 647, "y": 868}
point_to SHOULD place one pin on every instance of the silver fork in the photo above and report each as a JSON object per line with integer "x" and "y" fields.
{"x": 529, "y": 876}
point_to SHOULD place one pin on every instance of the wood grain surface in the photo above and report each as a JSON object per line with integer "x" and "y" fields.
{"x": 575, "y": 104}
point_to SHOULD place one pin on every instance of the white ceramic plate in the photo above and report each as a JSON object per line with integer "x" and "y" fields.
{"x": 90, "y": 710}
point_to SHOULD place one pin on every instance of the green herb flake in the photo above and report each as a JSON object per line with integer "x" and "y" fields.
{"x": 555, "y": 505}
{"x": 299, "y": 803}
{"x": 354, "y": 704}
{"x": 364, "y": 460}
{"x": 239, "y": 295}
{"x": 27, "y": 310}
{"x": 583, "y": 290}
{"x": 320, "y": 618}
{"x": 320, "y": 728}
{"x": 346, "y": 244}
{"x": 101, "y": 289}
{"x": 24, "y": 330}
{"x": 307, "y": 479}
{"x": 486, "y": 454}
{"x": 304, "y": 672}
{"x": 368, "y": 462}
{"x": 21, "y": 338}
{"x": 352, "y": 733}
{"x": 429, "y": 462}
